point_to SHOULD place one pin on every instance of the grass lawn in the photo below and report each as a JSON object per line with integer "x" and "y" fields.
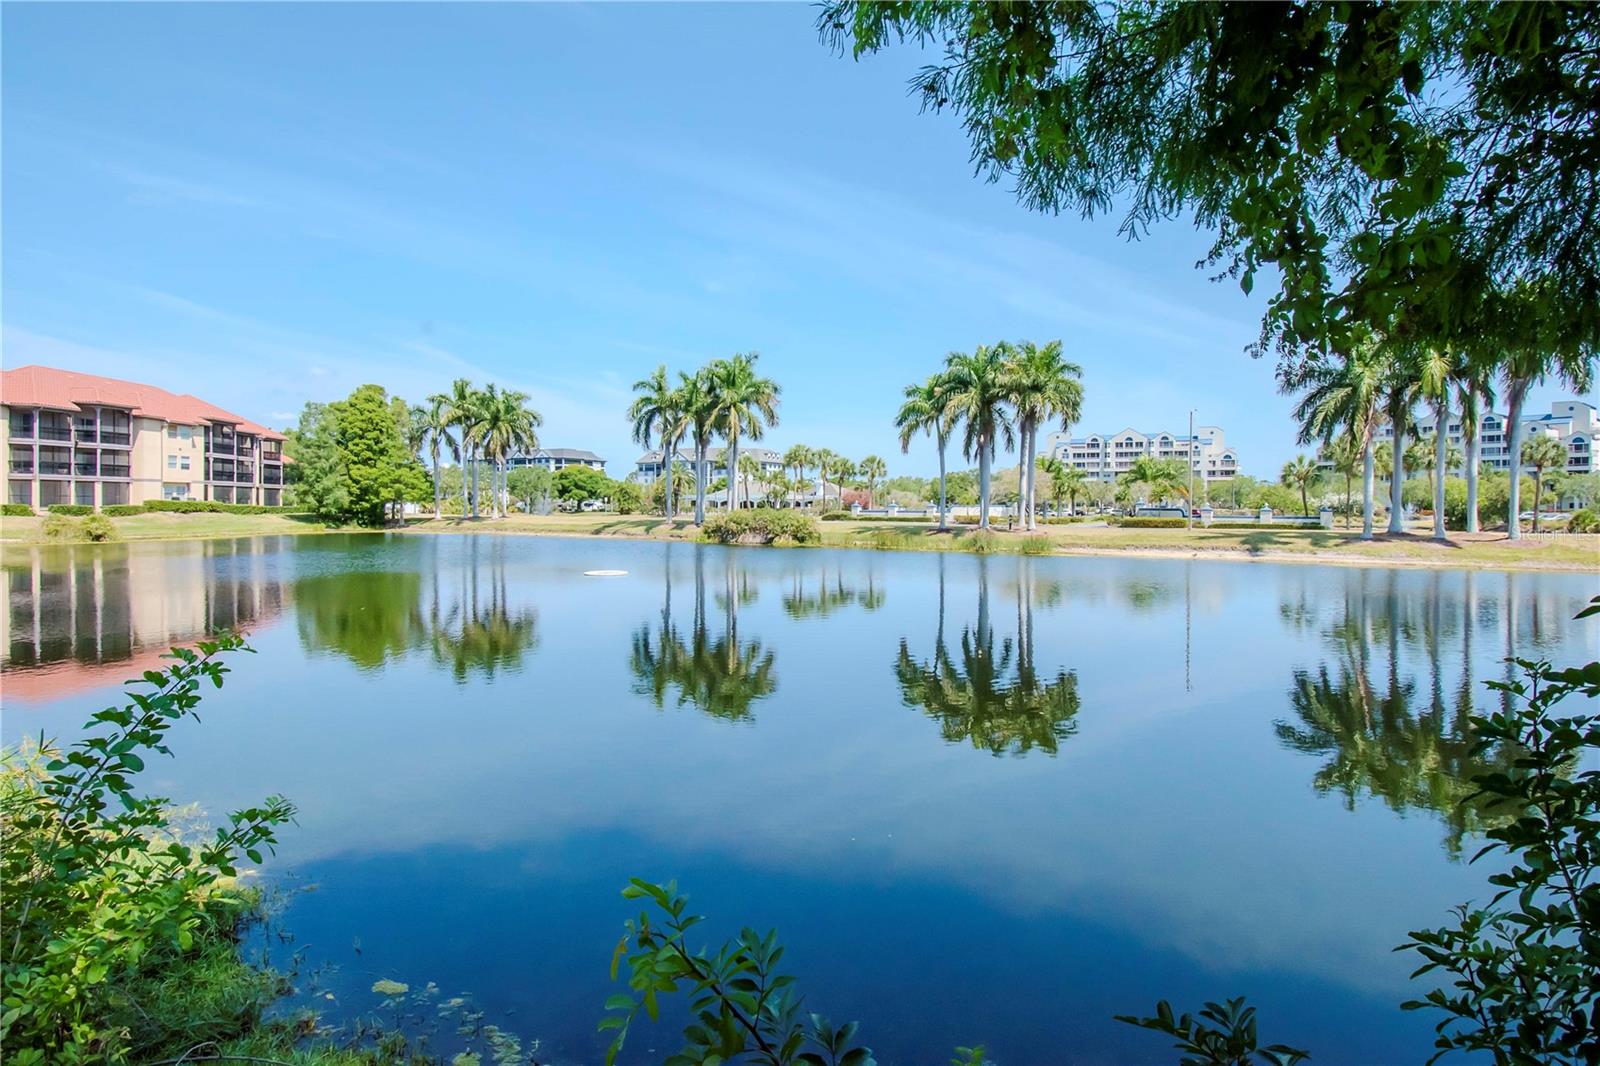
{"x": 1565, "y": 552}
{"x": 1491, "y": 550}
{"x": 169, "y": 526}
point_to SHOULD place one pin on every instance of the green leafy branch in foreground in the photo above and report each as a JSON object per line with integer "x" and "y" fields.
{"x": 100, "y": 887}
{"x": 1234, "y": 1044}
{"x": 743, "y": 1008}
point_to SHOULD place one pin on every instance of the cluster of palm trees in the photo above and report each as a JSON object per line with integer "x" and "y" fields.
{"x": 726, "y": 398}
{"x": 1351, "y": 395}
{"x": 1000, "y": 392}
{"x": 474, "y": 426}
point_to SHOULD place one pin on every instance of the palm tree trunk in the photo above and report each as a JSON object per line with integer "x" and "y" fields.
{"x": 730, "y": 460}
{"x": 667, "y": 449}
{"x": 699, "y": 482}
{"x": 1470, "y": 425}
{"x": 438, "y": 489}
{"x": 1441, "y": 454}
{"x": 983, "y": 483}
{"x": 1514, "y": 399}
{"x": 1367, "y": 487}
{"x": 1538, "y": 491}
{"x": 1397, "y": 416}
{"x": 1022, "y": 470}
{"x": 474, "y": 483}
{"x": 943, "y": 510}
{"x": 466, "y": 461}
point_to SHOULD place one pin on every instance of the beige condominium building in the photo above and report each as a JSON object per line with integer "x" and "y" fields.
{"x": 1105, "y": 457}
{"x": 84, "y": 439}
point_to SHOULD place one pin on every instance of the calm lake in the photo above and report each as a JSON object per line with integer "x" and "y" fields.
{"x": 983, "y": 799}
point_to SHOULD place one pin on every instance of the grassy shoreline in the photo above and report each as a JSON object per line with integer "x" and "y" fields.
{"x": 1340, "y": 547}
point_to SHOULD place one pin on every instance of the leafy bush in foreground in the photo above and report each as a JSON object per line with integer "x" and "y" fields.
{"x": 100, "y": 889}
{"x": 762, "y": 525}
{"x": 98, "y": 527}
{"x": 1584, "y": 521}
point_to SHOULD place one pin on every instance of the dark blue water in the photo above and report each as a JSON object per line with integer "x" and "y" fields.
{"x": 985, "y": 800}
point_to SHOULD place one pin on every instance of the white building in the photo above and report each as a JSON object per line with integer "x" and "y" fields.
{"x": 554, "y": 459}
{"x": 647, "y": 468}
{"x": 1104, "y": 457}
{"x": 1572, "y": 422}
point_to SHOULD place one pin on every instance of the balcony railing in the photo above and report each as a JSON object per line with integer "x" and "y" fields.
{"x": 22, "y": 466}
{"x": 85, "y": 467}
{"x": 115, "y": 470}
{"x": 22, "y": 428}
{"x": 271, "y": 475}
{"x": 246, "y": 473}
{"x": 114, "y": 436}
{"x": 54, "y": 468}
{"x": 87, "y": 434}
{"x": 55, "y": 432}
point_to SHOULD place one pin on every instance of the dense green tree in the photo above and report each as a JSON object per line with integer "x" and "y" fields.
{"x": 317, "y": 474}
{"x": 529, "y": 483}
{"x": 379, "y": 469}
{"x": 576, "y": 484}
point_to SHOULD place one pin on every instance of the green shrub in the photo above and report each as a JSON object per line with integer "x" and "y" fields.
{"x": 77, "y": 509}
{"x": 60, "y": 527}
{"x": 101, "y": 890}
{"x": 835, "y": 516}
{"x": 763, "y": 525}
{"x": 1069, "y": 519}
{"x": 1236, "y": 525}
{"x": 97, "y": 527}
{"x": 123, "y": 510}
{"x": 16, "y": 510}
{"x": 1148, "y": 522}
{"x": 1584, "y": 521}
{"x": 1036, "y": 546}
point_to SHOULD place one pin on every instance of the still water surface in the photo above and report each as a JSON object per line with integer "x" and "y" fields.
{"x": 987, "y": 800}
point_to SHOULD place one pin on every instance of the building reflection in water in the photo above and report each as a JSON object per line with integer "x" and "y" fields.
{"x": 1389, "y": 712}
{"x": 82, "y": 616}
{"x": 709, "y": 666}
{"x": 986, "y": 690}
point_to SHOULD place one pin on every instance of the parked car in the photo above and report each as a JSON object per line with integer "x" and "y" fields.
{"x": 1160, "y": 512}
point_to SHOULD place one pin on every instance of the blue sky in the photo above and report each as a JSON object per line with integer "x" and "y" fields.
{"x": 269, "y": 204}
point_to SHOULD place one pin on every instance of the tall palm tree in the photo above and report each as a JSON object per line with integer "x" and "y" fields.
{"x": 1545, "y": 455}
{"x": 749, "y": 472}
{"x": 697, "y": 403}
{"x": 926, "y": 410}
{"x": 978, "y": 391}
{"x": 797, "y": 458}
{"x": 824, "y": 460}
{"x": 1300, "y": 472}
{"x": 436, "y": 425}
{"x": 746, "y": 406}
{"x": 872, "y": 469}
{"x": 1347, "y": 396}
{"x": 1474, "y": 387}
{"x": 1436, "y": 372}
{"x": 506, "y": 426}
{"x": 1400, "y": 391}
{"x": 1040, "y": 384}
{"x": 462, "y": 406}
{"x": 655, "y": 415}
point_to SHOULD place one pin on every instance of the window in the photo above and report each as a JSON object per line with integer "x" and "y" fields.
{"x": 21, "y": 423}
{"x": 21, "y": 492}
{"x": 183, "y": 462}
{"x": 271, "y": 497}
{"x": 174, "y": 491}
{"x": 113, "y": 493}
{"x": 83, "y": 493}
{"x": 172, "y": 431}
{"x": 222, "y": 494}
{"x": 52, "y": 492}
{"x": 172, "y": 463}
{"x": 185, "y": 433}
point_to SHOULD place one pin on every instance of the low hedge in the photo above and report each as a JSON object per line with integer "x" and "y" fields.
{"x": 122, "y": 510}
{"x": 16, "y": 510}
{"x": 835, "y": 516}
{"x": 215, "y": 507}
{"x": 1138, "y": 522}
{"x": 1071, "y": 519}
{"x": 761, "y": 526}
{"x": 77, "y": 510}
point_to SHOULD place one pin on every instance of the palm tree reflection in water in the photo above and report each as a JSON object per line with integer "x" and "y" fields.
{"x": 1377, "y": 744}
{"x": 718, "y": 673}
{"x": 993, "y": 698}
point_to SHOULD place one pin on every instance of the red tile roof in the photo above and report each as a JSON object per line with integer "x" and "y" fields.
{"x": 66, "y": 390}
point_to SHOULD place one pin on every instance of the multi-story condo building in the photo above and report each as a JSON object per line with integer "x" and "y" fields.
{"x": 648, "y": 467}
{"x": 554, "y": 459}
{"x": 1105, "y": 457}
{"x": 1572, "y": 422}
{"x": 84, "y": 439}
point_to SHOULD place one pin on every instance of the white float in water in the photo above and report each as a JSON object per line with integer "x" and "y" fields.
{"x": 605, "y": 573}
